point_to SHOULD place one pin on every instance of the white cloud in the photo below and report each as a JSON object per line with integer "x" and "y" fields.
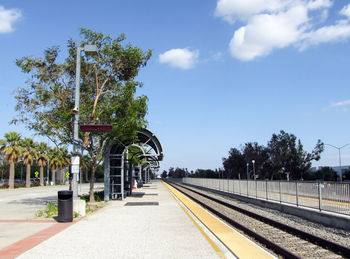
{"x": 7, "y": 18}
{"x": 232, "y": 10}
{"x": 316, "y": 4}
{"x": 346, "y": 11}
{"x": 342, "y": 103}
{"x": 276, "y": 24}
{"x": 179, "y": 58}
{"x": 266, "y": 32}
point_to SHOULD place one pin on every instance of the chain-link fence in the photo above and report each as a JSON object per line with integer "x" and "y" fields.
{"x": 332, "y": 196}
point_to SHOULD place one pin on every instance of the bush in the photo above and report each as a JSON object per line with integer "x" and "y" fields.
{"x": 99, "y": 196}
{"x": 35, "y": 183}
{"x": 16, "y": 185}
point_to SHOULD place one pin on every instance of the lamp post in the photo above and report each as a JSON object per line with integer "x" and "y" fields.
{"x": 339, "y": 148}
{"x": 75, "y": 160}
{"x": 253, "y": 162}
{"x": 247, "y": 171}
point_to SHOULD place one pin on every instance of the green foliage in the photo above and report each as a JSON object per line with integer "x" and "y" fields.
{"x": 177, "y": 173}
{"x": 11, "y": 147}
{"x": 50, "y": 211}
{"x": 283, "y": 153}
{"x": 98, "y": 196}
{"x": 164, "y": 174}
{"x": 346, "y": 176}
{"x": 107, "y": 88}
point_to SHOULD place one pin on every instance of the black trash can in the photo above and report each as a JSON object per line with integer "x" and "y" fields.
{"x": 65, "y": 206}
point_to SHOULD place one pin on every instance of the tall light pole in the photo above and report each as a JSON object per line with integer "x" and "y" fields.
{"x": 247, "y": 171}
{"x": 339, "y": 148}
{"x": 253, "y": 162}
{"x": 75, "y": 160}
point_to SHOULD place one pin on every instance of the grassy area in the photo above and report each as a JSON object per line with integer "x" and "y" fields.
{"x": 51, "y": 209}
{"x": 94, "y": 206}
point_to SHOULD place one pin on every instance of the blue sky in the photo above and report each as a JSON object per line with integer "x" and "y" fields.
{"x": 222, "y": 73}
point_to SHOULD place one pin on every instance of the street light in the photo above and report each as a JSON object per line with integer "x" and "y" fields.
{"x": 339, "y": 148}
{"x": 75, "y": 160}
{"x": 247, "y": 171}
{"x": 253, "y": 161}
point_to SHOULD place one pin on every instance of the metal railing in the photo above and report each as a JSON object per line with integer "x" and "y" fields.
{"x": 332, "y": 196}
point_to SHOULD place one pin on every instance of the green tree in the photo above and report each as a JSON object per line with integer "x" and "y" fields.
{"x": 235, "y": 164}
{"x": 346, "y": 176}
{"x": 42, "y": 158}
{"x": 286, "y": 154}
{"x": 253, "y": 151}
{"x": 107, "y": 89}
{"x": 164, "y": 174}
{"x": 29, "y": 155}
{"x": 13, "y": 152}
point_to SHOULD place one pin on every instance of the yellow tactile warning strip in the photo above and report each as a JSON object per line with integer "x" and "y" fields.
{"x": 239, "y": 245}
{"x": 213, "y": 245}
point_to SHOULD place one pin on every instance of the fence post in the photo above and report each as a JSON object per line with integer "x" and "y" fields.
{"x": 267, "y": 197}
{"x": 280, "y": 192}
{"x": 296, "y": 193}
{"x": 319, "y": 196}
{"x": 247, "y": 188}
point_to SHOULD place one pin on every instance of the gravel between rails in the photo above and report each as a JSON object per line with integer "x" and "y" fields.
{"x": 298, "y": 246}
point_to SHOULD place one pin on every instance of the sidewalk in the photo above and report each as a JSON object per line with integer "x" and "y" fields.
{"x": 150, "y": 224}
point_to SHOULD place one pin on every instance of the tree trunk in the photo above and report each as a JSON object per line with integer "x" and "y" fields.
{"x": 28, "y": 175}
{"x": 12, "y": 176}
{"x": 86, "y": 176}
{"x": 92, "y": 182}
{"x": 62, "y": 176}
{"x": 53, "y": 176}
{"x": 41, "y": 175}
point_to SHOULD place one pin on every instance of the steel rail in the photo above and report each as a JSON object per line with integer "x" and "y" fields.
{"x": 324, "y": 243}
{"x": 269, "y": 244}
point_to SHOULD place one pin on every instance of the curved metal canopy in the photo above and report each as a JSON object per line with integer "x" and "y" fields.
{"x": 145, "y": 139}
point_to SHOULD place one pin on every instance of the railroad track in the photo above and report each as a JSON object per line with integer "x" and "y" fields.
{"x": 284, "y": 240}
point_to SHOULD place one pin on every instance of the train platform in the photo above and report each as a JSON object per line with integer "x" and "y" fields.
{"x": 155, "y": 222}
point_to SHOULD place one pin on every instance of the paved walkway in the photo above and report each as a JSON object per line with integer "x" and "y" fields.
{"x": 150, "y": 224}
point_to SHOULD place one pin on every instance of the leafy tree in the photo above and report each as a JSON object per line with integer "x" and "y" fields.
{"x": 205, "y": 173}
{"x": 235, "y": 164}
{"x": 326, "y": 173}
{"x": 346, "y": 175}
{"x": 13, "y": 152}
{"x": 164, "y": 174}
{"x": 253, "y": 151}
{"x": 29, "y": 155}
{"x": 286, "y": 154}
{"x": 107, "y": 89}
{"x": 42, "y": 158}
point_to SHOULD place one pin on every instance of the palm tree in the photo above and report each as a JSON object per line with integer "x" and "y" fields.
{"x": 54, "y": 163}
{"x": 64, "y": 161}
{"x": 29, "y": 155}
{"x": 42, "y": 158}
{"x": 12, "y": 152}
